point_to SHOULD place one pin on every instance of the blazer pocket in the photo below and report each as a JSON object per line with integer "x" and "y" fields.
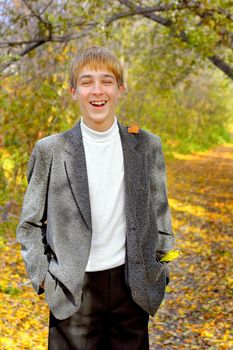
{"x": 50, "y": 283}
{"x": 56, "y": 271}
{"x": 56, "y": 281}
{"x": 154, "y": 271}
{"x": 165, "y": 241}
{"x": 167, "y": 271}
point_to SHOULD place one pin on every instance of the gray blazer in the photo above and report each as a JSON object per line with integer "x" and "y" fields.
{"x": 55, "y": 226}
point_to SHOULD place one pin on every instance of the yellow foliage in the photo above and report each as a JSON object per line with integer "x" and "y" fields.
{"x": 197, "y": 310}
{"x": 8, "y": 164}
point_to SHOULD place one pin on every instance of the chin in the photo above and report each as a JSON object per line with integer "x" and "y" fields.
{"x": 99, "y": 118}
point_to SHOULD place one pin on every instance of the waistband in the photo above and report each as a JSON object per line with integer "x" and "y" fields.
{"x": 116, "y": 269}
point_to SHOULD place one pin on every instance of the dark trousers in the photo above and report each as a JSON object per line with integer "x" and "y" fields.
{"x": 108, "y": 318}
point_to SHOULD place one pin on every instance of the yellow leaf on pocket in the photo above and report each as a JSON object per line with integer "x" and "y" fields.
{"x": 171, "y": 255}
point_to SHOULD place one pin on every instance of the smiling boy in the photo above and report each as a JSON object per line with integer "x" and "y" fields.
{"x": 97, "y": 93}
{"x": 95, "y": 219}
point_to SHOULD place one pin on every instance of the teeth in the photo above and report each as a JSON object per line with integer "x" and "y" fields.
{"x": 98, "y": 103}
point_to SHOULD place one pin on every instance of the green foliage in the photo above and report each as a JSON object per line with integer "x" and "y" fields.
{"x": 12, "y": 291}
{"x": 171, "y": 90}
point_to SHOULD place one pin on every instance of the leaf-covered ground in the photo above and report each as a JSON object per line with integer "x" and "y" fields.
{"x": 197, "y": 310}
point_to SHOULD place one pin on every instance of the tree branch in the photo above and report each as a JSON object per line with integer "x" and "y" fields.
{"x": 38, "y": 42}
{"x": 46, "y": 7}
{"x": 49, "y": 34}
{"x": 37, "y": 15}
{"x": 143, "y": 11}
{"x": 216, "y": 60}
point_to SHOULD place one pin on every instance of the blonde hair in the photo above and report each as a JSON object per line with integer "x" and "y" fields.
{"x": 96, "y": 57}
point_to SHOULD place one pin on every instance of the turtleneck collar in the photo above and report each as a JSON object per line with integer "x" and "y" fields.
{"x": 99, "y": 136}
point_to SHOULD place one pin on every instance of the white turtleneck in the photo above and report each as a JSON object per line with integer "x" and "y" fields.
{"x": 105, "y": 171}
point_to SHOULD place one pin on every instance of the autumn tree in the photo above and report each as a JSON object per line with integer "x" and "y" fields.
{"x": 204, "y": 26}
{"x": 171, "y": 89}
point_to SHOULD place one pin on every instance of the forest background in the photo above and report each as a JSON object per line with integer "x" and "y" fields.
{"x": 178, "y": 62}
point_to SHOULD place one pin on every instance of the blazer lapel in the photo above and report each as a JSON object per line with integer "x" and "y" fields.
{"x": 133, "y": 172}
{"x": 76, "y": 171}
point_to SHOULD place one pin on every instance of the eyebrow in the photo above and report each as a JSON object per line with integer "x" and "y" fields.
{"x": 87, "y": 76}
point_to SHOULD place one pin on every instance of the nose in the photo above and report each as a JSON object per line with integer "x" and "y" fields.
{"x": 97, "y": 89}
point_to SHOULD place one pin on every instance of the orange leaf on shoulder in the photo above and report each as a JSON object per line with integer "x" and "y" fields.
{"x": 133, "y": 129}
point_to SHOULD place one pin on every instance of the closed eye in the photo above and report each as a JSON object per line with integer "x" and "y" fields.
{"x": 107, "y": 82}
{"x": 86, "y": 83}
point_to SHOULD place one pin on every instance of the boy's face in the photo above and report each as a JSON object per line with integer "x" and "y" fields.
{"x": 97, "y": 93}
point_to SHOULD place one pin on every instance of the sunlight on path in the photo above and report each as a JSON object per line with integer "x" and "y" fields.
{"x": 196, "y": 310}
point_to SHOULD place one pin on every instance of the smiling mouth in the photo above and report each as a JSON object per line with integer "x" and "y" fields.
{"x": 98, "y": 103}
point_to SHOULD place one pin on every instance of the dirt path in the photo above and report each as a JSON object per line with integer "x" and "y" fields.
{"x": 198, "y": 308}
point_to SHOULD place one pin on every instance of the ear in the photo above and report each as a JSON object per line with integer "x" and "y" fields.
{"x": 73, "y": 93}
{"x": 122, "y": 89}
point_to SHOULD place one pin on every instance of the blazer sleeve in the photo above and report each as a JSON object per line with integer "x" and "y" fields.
{"x": 31, "y": 229}
{"x": 165, "y": 241}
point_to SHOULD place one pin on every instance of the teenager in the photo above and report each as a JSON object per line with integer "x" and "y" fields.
{"x": 95, "y": 220}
